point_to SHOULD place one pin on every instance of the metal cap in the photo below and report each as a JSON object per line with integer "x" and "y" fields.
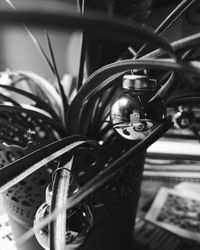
{"x": 138, "y": 82}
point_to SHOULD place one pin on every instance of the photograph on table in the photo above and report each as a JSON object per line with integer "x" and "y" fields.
{"x": 177, "y": 212}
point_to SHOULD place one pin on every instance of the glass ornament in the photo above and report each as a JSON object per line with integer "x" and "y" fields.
{"x": 79, "y": 221}
{"x": 131, "y": 115}
{"x": 184, "y": 117}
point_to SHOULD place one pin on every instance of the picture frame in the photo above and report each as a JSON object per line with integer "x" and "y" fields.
{"x": 177, "y": 212}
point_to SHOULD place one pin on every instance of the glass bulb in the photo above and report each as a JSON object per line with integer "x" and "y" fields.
{"x": 78, "y": 223}
{"x": 131, "y": 115}
{"x": 79, "y": 220}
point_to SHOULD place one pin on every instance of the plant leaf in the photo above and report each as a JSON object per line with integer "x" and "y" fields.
{"x": 102, "y": 177}
{"x": 23, "y": 167}
{"x": 60, "y": 192}
{"x": 38, "y": 102}
{"x": 181, "y": 44}
{"x": 108, "y": 26}
{"x": 34, "y": 39}
{"x": 183, "y": 101}
{"x": 169, "y": 20}
{"x": 62, "y": 93}
{"x": 103, "y": 78}
{"x": 33, "y": 112}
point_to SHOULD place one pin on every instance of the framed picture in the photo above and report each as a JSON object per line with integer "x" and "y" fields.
{"x": 176, "y": 211}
